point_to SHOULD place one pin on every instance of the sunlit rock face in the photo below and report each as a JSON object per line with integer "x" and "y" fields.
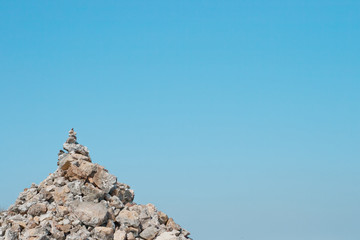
{"x": 82, "y": 200}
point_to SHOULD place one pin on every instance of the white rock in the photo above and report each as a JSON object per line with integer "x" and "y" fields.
{"x": 168, "y": 236}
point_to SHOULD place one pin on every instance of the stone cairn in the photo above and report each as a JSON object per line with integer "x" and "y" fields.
{"x": 83, "y": 201}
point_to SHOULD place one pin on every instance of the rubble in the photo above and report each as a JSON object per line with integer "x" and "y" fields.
{"x": 81, "y": 200}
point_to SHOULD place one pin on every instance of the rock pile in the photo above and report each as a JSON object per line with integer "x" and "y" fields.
{"x": 82, "y": 200}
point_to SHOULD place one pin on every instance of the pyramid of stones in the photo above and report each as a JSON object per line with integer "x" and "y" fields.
{"x": 81, "y": 200}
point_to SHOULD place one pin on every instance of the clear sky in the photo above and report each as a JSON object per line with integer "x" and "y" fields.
{"x": 239, "y": 119}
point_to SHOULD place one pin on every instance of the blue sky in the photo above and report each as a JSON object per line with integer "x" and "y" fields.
{"x": 240, "y": 119}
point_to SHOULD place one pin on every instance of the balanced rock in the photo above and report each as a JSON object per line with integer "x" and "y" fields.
{"x": 81, "y": 200}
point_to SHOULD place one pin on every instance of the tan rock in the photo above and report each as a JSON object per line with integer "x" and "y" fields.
{"x": 64, "y": 228}
{"x": 31, "y": 224}
{"x": 130, "y": 236}
{"x": 37, "y": 209}
{"x": 78, "y": 156}
{"x": 120, "y": 235}
{"x": 62, "y": 210}
{"x": 134, "y": 230}
{"x": 36, "y": 220}
{"x": 163, "y": 218}
{"x": 103, "y": 180}
{"x": 65, "y": 163}
{"x": 104, "y": 233}
{"x": 83, "y": 171}
{"x": 171, "y": 225}
{"x": 128, "y": 218}
{"x": 60, "y": 194}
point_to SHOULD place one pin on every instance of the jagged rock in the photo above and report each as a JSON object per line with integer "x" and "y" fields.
{"x": 10, "y": 234}
{"x": 92, "y": 214}
{"x": 120, "y": 235}
{"x": 128, "y": 218}
{"x": 37, "y": 209}
{"x": 104, "y": 233}
{"x": 103, "y": 180}
{"x": 171, "y": 225}
{"x": 130, "y": 236}
{"x": 168, "y": 236}
{"x": 163, "y": 218}
{"x": 149, "y": 233}
{"x": 81, "y": 200}
{"x": 80, "y": 170}
{"x": 61, "y": 195}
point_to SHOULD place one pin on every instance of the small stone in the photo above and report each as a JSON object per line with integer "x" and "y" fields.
{"x": 91, "y": 192}
{"x": 25, "y": 207}
{"x": 61, "y": 195}
{"x": 104, "y": 233}
{"x": 62, "y": 210}
{"x": 46, "y": 216}
{"x": 171, "y": 225}
{"x": 104, "y": 180}
{"x": 149, "y": 233}
{"x": 167, "y": 236}
{"x": 128, "y": 218}
{"x": 78, "y": 156}
{"x": 115, "y": 202}
{"x": 37, "y": 209}
{"x": 11, "y": 235}
{"x": 64, "y": 228}
{"x": 119, "y": 235}
{"x": 92, "y": 214}
{"x": 163, "y": 218}
{"x": 130, "y": 236}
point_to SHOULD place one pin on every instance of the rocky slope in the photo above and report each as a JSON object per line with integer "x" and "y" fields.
{"x": 82, "y": 200}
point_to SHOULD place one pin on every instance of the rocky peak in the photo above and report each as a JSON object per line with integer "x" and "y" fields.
{"x": 82, "y": 200}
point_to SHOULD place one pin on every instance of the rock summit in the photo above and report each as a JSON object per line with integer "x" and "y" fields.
{"x": 81, "y": 200}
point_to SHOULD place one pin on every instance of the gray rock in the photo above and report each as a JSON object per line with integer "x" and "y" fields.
{"x": 76, "y": 148}
{"x": 75, "y": 186}
{"x": 149, "y": 233}
{"x": 91, "y": 193}
{"x": 11, "y": 235}
{"x": 92, "y": 214}
{"x": 115, "y": 202}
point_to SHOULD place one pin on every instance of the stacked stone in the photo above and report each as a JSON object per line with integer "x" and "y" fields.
{"x": 83, "y": 201}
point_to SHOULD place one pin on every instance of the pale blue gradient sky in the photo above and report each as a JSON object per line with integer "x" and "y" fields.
{"x": 240, "y": 119}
